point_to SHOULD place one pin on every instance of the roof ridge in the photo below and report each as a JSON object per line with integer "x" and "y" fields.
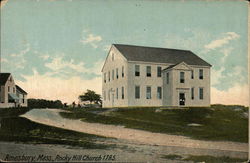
{"x": 152, "y": 47}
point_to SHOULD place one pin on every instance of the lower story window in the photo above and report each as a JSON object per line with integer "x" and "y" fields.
{"x": 137, "y": 92}
{"x": 201, "y": 93}
{"x": 148, "y": 92}
{"x": 159, "y": 92}
{"x": 122, "y": 92}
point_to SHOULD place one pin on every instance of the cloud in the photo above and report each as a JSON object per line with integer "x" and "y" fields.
{"x": 59, "y": 65}
{"x": 22, "y": 52}
{"x": 222, "y": 41}
{"x": 53, "y": 88}
{"x": 44, "y": 57}
{"x": 225, "y": 52}
{"x": 216, "y": 75}
{"x": 4, "y": 60}
{"x": 238, "y": 94}
{"x": 106, "y": 47}
{"x": 90, "y": 38}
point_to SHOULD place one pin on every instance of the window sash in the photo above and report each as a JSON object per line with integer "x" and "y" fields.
{"x": 201, "y": 93}
{"x": 137, "y": 70}
{"x": 182, "y": 77}
{"x": 158, "y": 71}
{"x": 200, "y": 74}
{"x": 192, "y": 93}
{"x": 148, "y": 69}
{"x": 117, "y": 76}
{"x": 148, "y": 92}
{"x": 159, "y": 92}
{"x": 122, "y": 92}
{"x": 137, "y": 92}
{"x": 122, "y": 71}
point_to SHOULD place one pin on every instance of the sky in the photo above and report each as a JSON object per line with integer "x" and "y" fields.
{"x": 55, "y": 49}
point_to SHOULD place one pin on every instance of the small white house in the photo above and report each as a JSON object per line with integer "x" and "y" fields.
{"x": 11, "y": 95}
{"x": 149, "y": 76}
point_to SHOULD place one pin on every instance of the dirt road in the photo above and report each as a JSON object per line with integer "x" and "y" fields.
{"x": 51, "y": 117}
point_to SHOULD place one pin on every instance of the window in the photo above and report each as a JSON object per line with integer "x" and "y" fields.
{"x": 137, "y": 92}
{"x": 148, "y": 69}
{"x": 117, "y": 76}
{"x": 109, "y": 76}
{"x": 167, "y": 78}
{"x": 159, "y": 92}
{"x": 116, "y": 93}
{"x": 148, "y": 93}
{"x": 182, "y": 77}
{"x": 109, "y": 95}
{"x": 192, "y": 74}
{"x": 113, "y": 74}
{"x": 122, "y": 71}
{"x": 104, "y": 77}
{"x": 137, "y": 70}
{"x": 201, "y": 93}
{"x": 158, "y": 71}
{"x": 104, "y": 95}
{"x": 23, "y": 100}
{"x": 192, "y": 93}
{"x": 8, "y": 88}
{"x": 200, "y": 74}
{"x": 113, "y": 56}
{"x": 13, "y": 90}
{"x": 122, "y": 92}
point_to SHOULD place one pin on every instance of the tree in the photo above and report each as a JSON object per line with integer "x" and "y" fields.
{"x": 91, "y": 96}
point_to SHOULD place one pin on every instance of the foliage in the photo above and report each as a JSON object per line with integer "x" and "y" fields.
{"x": 90, "y": 96}
{"x": 42, "y": 103}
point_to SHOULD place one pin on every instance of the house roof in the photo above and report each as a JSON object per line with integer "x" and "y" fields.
{"x": 159, "y": 55}
{"x": 21, "y": 90}
{"x": 3, "y": 78}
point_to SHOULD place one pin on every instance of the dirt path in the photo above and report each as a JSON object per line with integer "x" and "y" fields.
{"x": 51, "y": 117}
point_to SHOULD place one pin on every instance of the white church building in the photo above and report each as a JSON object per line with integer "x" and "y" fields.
{"x": 149, "y": 76}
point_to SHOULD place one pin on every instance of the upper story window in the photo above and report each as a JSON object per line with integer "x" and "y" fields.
{"x": 148, "y": 69}
{"x": 113, "y": 74}
{"x": 167, "y": 78}
{"x": 200, "y": 73}
{"x": 201, "y": 95}
{"x": 192, "y": 93}
{"x": 113, "y": 56}
{"x": 159, "y": 92}
{"x": 158, "y": 71}
{"x": 117, "y": 76}
{"x": 122, "y": 71}
{"x": 192, "y": 74}
{"x": 104, "y": 77}
{"x": 182, "y": 77}
{"x": 148, "y": 92}
{"x": 137, "y": 70}
{"x": 137, "y": 92}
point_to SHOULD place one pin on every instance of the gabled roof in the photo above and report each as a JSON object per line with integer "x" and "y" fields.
{"x": 172, "y": 66}
{"x": 159, "y": 55}
{"x": 3, "y": 78}
{"x": 21, "y": 90}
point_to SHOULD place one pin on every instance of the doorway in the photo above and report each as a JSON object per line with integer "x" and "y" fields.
{"x": 181, "y": 99}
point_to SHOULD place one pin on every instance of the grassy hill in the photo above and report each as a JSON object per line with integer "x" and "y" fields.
{"x": 218, "y": 122}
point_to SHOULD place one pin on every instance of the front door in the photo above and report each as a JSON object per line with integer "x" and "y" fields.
{"x": 182, "y": 99}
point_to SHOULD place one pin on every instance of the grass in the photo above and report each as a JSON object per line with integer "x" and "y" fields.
{"x": 18, "y": 129}
{"x": 218, "y": 122}
{"x": 212, "y": 159}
